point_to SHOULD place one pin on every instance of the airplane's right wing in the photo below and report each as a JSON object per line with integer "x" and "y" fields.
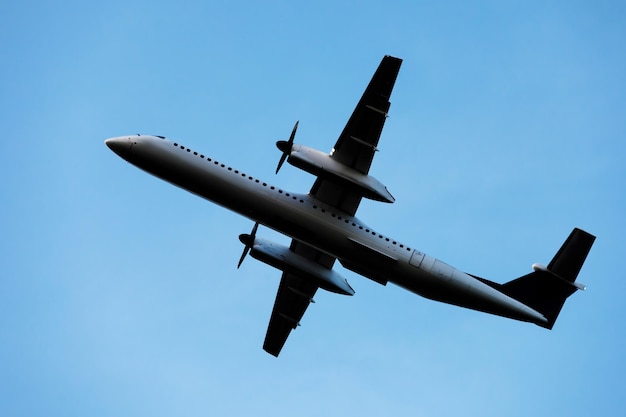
{"x": 292, "y": 299}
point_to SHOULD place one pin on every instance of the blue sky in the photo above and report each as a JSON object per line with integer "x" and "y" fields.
{"x": 119, "y": 294}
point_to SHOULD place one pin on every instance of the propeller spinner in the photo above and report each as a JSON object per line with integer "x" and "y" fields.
{"x": 248, "y": 241}
{"x": 285, "y": 146}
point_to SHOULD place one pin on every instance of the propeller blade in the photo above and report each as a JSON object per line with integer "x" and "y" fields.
{"x": 248, "y": 241}
{"x": 244, "y": 254}
{"x": 281, "y": 161}
{"x": 293, "y": 131}
{"x": 285, "y": 146}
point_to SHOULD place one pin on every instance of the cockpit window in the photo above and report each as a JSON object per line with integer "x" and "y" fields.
{"x": 161, "y": 137}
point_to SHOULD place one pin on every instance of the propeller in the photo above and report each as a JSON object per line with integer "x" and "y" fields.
{"x": 285, "y": 146}
{"x": 248, "y": 241}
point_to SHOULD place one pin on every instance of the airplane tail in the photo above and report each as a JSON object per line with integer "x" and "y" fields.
{"x": 546, "y": 289}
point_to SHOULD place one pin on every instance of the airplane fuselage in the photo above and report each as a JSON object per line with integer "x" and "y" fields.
{"x": 357, "y": 246}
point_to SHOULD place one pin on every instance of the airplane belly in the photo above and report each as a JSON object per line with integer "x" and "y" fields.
{"x": 206, "y": 178}
{"x": 303, "y": 218}
{"x": 438, "y": 281}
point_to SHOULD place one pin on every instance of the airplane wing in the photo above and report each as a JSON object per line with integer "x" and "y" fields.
{"x": 355, "y": 148}
{"x": 359, "y": 140}
{"x": 292, "y": 299}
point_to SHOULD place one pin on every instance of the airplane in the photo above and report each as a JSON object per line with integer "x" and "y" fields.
{"x": 323, "y": 227}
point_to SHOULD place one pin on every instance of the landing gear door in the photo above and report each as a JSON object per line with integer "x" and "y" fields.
{"x": 416, "y": 258}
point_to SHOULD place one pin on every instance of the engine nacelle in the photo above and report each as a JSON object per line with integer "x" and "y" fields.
{"x": 324, "y": 166}
{"x": 282, "y": 258}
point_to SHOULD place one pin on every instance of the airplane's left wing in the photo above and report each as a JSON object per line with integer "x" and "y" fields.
{"x": 358, "y": 141}
{"x": 292, "y": 299}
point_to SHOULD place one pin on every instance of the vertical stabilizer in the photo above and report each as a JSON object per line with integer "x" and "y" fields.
{"x": 569, "y": 259}
{"x": 546, "y": 289}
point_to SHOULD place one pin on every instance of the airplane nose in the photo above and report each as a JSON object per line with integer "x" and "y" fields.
{"x": 120, "y": 145}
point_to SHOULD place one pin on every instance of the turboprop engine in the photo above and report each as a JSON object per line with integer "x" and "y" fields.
{"x": 323, "y": 165}
{"x": 282, "y": 258}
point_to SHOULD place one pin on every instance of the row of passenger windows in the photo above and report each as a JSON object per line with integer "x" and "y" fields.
{"x": 323, "y": 210}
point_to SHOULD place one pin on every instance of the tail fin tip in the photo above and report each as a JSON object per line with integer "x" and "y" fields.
{"x": 570, "y": 258}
